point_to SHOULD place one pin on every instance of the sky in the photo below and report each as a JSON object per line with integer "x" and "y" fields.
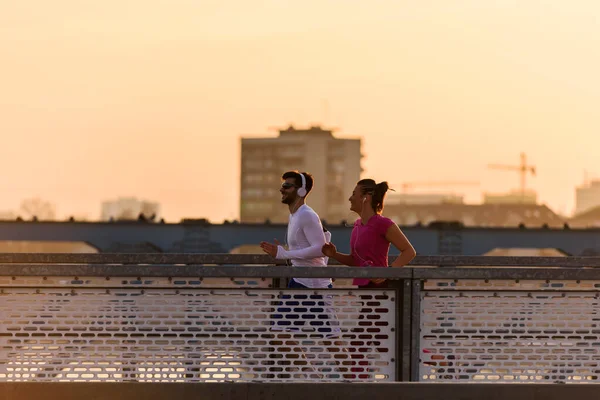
{"x": 102, "y": 99}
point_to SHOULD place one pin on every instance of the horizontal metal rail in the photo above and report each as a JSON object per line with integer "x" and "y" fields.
{"x": 291, "y": 391}
{"x": 200, "y": 271}
{"x": 263, "y": 259}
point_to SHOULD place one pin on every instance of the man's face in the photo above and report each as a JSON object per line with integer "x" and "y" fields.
{"x": 289, "y": 191}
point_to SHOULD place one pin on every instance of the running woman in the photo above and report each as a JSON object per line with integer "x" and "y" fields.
{"x": 372, "y": 234}
{"x": 370, "y": 244}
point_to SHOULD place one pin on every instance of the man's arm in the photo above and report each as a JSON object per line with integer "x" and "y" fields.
{"x": 313, "y": 230}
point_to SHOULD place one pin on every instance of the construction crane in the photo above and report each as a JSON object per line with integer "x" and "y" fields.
{"x": 409, "y": 185}
{"x": 523, "y": 169}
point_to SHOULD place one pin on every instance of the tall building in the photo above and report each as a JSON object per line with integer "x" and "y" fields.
{"x": 128, "y": 208}
{"x": 334, "y": 163}
{"x": 587, "y": 197}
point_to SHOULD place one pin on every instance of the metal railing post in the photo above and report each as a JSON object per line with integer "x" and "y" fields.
{"x": 415, "y": 342}
{"x": 402, "y": 327}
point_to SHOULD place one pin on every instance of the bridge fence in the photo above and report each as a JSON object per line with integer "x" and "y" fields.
{"x": 231, "y": 318}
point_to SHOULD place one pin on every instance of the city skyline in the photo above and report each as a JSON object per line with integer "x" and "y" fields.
{"x": 433, "y": 197}
{"x": 145, "y": 99}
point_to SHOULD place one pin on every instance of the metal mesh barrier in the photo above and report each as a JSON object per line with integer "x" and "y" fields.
{"x": 513, "y": 284}
{"x": 101, "y": 329}
{"x": 510, "y": 336}
{"x": 167, "y": 282}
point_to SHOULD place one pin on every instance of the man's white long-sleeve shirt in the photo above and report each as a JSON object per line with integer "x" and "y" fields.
{"x": 305, "y": 239}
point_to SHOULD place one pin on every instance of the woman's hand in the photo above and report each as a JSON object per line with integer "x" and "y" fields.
{"x": 329, "y": 250}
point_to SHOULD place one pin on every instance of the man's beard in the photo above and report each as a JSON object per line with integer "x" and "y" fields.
{"x": 288, "y": 199}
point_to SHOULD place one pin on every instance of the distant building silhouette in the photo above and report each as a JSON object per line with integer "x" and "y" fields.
{"x": 129, "y": 208}
{"x": 515, "y": 197}
{"x": 586, "y": 219}
{"x": 422, "y": 198}
{"x": 587, "y": 197}
{"x": 7, "y": 215}
{"x": 334, "y": 163}
{"x": 480, "y": 215}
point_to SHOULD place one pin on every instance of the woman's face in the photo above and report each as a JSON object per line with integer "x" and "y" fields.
{"x": 357, "y": 199}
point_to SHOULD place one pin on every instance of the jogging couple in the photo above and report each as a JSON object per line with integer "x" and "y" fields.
{"x": 310, "y": 245}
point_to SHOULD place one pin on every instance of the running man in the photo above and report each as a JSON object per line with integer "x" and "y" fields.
{"x": 305, "y": 238}
{"x": 305, "y": 234}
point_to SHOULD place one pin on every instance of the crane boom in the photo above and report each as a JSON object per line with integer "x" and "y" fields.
{"x": 523, "y": 169}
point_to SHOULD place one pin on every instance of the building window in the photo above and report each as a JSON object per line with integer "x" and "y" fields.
{"x": 253, "y": 164}
{"x": 253, "y": 193}
{"x": 337, "y": 166}
{"x": 271, "y": 178}
{"x": 257, "y": 207}
{"x": 253, "y": 178}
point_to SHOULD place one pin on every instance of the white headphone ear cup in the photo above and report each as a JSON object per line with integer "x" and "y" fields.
{"x": 302, "y": 190}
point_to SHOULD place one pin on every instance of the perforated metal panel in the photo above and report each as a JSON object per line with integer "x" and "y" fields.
{"x": 510, "y": 336}
{"x": 132, "y": 281}
{"x": 505, "y": 284}
{"x": 83, "y": 332}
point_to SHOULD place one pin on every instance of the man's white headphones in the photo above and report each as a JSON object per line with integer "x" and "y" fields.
{"x": 302, "y": 190}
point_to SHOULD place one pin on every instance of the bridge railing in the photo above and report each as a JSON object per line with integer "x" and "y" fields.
{"x": 208, "y": 317}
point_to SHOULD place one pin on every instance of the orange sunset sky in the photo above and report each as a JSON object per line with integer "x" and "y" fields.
{"x": 101, "y": 99}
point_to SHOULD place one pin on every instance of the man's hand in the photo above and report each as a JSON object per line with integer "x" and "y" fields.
{"x": 270, "y": 248}
{"x": 377, "y": 281}
{"x": 329, "y": 249}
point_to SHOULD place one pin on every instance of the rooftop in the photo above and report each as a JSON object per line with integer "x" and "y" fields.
{"x": 483, "y": 215}
{"x": 313, "y": 130}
